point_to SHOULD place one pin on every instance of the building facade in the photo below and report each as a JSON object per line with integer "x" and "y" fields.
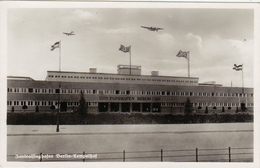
{"x": 122, "y": 92}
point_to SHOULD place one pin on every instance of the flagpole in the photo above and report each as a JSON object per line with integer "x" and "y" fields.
{"x": 60, "y": 57}
{"x": 242, "y": 80}
{"x": 130, "y": 61}
{"x": 58, "y": 113}
{"x": 189, "y": 64}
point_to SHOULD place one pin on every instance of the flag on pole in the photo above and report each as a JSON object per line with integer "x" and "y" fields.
{"x": 55, "y": 45}
{"x": 125, "y": 49}
{"x": 238, "y": 67}
{"x": 183, "y": 54}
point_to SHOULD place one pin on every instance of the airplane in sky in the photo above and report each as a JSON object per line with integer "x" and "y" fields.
{"x": 69, "y": 34}
{"x": 152, "y": 28}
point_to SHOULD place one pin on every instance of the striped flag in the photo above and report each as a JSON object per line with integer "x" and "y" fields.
{"x": 55, "y": 45}
{"x": 183, "y": 54}
{"x": 125, "y": 49}
{"x": 238, "y": 67}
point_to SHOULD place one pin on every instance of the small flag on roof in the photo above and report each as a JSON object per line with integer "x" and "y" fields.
{"x": 183, "y": 54}
{"x": 55, "y": 45}
{"x": 238, "y": 67}
{"x": 125, "y": 49}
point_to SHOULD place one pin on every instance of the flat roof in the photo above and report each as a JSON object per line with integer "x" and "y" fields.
{"x": 120, "y": 74}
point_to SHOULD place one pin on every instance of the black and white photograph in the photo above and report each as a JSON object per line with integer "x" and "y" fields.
{"x": 157, "y": 83}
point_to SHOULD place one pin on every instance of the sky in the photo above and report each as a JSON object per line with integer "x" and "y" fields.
{"x": 216, "y": 38}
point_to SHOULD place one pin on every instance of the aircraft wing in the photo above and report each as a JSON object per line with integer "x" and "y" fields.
{"x": 146, "y": 27}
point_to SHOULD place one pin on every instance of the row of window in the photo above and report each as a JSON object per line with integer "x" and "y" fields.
{"x": 126, "y": 92}
{"x": 71, "y": 104}
{"x": 44, "y": 103}
{"x": 207, "y": 104}
{"x": 122, "y": 79}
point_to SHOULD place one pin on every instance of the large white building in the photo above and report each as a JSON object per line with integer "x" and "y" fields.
{"x": 125, "y": 92}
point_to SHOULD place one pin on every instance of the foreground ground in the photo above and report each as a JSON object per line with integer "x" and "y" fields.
{"x": 178, "y": 142}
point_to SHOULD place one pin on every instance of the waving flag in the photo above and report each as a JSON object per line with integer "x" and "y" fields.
{"x": 183, "y": 54}
{"x": 55, "y": 45}
{"x": 238, "y": 67}
{"x": 125, "y": 49}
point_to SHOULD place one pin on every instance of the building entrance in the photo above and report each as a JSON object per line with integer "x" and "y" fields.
{"x": 103, "y": 107}
{"x": 156, "y": 107}
{"x": 125, "y": 107}
{"x": 63, "y": 106}
{"x": 136, "y": 107}
{"x": 146, "y": 107}
{"x": 114, "y": 107}
{"x": 243, "y": 106}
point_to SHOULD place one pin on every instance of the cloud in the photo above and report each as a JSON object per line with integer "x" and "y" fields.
{"x": 166, "y": 40}
{"x": 119, "y": 31}
{"x": 194, "y": 39}
{"x": 83, "y": 14}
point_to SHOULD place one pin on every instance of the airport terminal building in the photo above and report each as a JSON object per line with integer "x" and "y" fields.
{"x": 128, "y": 91}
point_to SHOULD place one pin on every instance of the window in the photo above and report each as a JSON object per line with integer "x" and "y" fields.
{"x": 57, "y": 90}
{"x": 30, "y": 90}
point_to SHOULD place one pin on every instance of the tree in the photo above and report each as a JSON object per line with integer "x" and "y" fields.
{"x": 188, "y": 107}
{"x": 206, "y": 111}
{"x": 37, "y": 109}
{"x": 24, "y": 107}
{"x": 82, "y": 110}
{"x": 223, "y": 109}
{"x": 52, "y": 108}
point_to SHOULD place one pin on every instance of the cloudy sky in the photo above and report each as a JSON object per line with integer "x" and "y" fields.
{"x": 216, "y": 38}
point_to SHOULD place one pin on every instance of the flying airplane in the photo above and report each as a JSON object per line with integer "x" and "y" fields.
{"x": 152, "y": 28}
{"x": 69, "y": 34}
